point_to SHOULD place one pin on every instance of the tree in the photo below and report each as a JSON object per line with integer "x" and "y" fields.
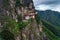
{"x": 37, "y": 17}
{"x": 18, "y": 3}
{"x": 7, "y": 35}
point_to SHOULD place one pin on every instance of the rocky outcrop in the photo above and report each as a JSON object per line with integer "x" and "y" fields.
{"x": 26, "y": 9}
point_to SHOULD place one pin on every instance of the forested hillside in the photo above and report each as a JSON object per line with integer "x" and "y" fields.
{"x": 51, "y": 22}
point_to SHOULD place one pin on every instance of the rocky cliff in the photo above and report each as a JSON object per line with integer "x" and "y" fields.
{"x": 21, "y": 20}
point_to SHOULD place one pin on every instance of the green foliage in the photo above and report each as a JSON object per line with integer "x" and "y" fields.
{"x": 52, "y": 28}
{"x": 22, "y": 25}
{"x": 7, "y": 35}
{"x": 30, "y": 20}
{"x": 52, "y": 16}
{"x": 12, "y": 26}
{"x": 37, "y": 17}
{"x": 18, "y": 3}
{"x": 41, "y": 33}
{"x": 7, "y": 18}
{"x": 19, "y": 17}
{"x": 10, "y": 23}
{"x": 50, "y": 34}
{"x": 4, "y": 19}
{"x": 51, "y": 31}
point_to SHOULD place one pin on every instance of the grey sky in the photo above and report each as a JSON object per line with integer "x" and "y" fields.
{"x": 47, "y": 4}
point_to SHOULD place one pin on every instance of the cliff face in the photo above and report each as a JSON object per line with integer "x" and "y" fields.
{"x": 23, "y": 12}
{"x": 31, "y": 31}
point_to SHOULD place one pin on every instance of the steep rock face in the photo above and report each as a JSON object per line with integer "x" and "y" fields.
{"x": 26, "y": 10}
{"x": 31, "y": 31}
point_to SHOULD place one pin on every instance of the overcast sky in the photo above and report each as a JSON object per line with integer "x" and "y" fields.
{"x": 47, "y": 4}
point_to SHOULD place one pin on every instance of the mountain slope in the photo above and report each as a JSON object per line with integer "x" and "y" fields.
{"x": 51, "y": 22}
{"x": 51, "y": 16}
